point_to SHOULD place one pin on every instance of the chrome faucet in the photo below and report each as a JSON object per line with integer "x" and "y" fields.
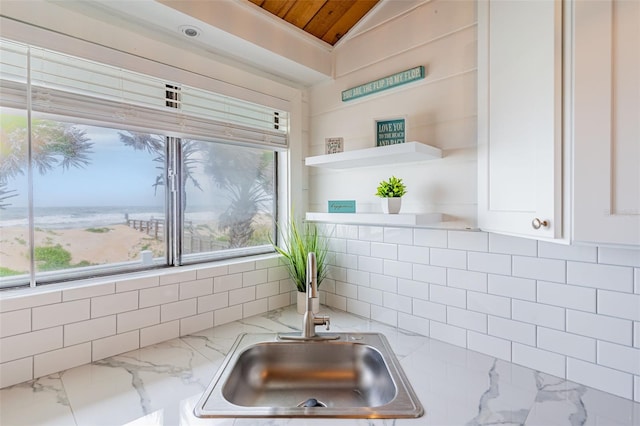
{"x": 309, "y": 321}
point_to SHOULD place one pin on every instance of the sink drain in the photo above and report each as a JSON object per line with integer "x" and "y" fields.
{"x": 312, "y": 402}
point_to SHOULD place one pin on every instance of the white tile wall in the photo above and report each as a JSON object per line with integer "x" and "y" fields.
{"x": 571, "y": 311}
{"x": 44, "y": 332}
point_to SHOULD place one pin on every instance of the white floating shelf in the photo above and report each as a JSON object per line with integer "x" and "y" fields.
{"x": 402, "y": 219}
{"x": 390, "y": 154}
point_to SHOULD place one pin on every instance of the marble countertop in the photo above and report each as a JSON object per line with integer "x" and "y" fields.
{"x": 160, "y": 385}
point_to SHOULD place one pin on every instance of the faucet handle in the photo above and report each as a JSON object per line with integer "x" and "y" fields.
{"x": 322, "y": 320}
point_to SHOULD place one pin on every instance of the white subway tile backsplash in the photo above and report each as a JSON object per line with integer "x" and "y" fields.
{"x": 619, "y": 357}
{"x": 275, "y": 274}
{"x": 370, "y": 233}
{"x": 384, "y": 315}
{"x": 398, "y": 269}
{"x": 255, "y": 307}
{"x": 273, "y": 288}
{"x": 88, "y": 291}
{"x": 607, "y": 277}
{"x": 346, "y": 290}
{"x": 60, "y": 313}
{"x": 196, "y": 323}
{"x": 280, "y": 301}
{"x": 177, "y": 310}
{"x": 567, "y": 252}
{"x": 214, "y": 271}
{"x": 538, "y": 359}
{"x": 414, "y": 289}
{"x": 600, "y": 327}
{"x": 512, "y": 245}
{"x": 413, "y": 254}
{"x": 538, "y": 314}
{"x": 349, "y": 261}
{"x": 253, "y": 278}
{"x": 398, "y": 235}
{"x": 230, "y": 282}
{"x": 568, "y": 344}
{"x": 517, "y": 288}
{"x": 113, "y": 304}
{"x": 190, "y": 289}
{"x": 636, "y": 334}
{"x": 136, "y": 284}
{"x": 448, "y": 295}
{"x": 85, "y": 331}
{"x": 397, "y": 302}
{"x": 27, "y": 344}
{"x": 430, "y": 274}
{"x": 14, "y": 372}
{"x": 620, "y": 305}
{"x": 636, "y": 388}
{"x": 361, "y": 248}
{"x": 346, "y": 231}
{"x": 61, "y": 359}
{"x": 449, "y": 258}
{"x": 468, "y": 280}
{"x": 240, "y": 267}
{"x": 514, "y": 331}
{"x": 178, "y": 277}
{"x": 430, "y": 237}
{"x": 213, "y": 302}
{"x": 384, "y": 251}
{"x": 607, "y": 379}
{"x": 159, "y": 333}
{"x": 384, "y": 282}
{"x": 430, "y": 310}
{"x": 337, "y": 273}
{"x": 358, "y": 277}
{"x": 242, "y": 295}
{"x": 335, "y": 301}
{"x": 539, "y": 269}
{"x": 465, "y": 240}
{"x": 490, "y": 345}
{"x": 137, "y": 319}
{"x": 337, "y": 245}
{"x": 488, "y": 304}
{"x": 370, "y": 264}
{"x": 636, "y": 280}
{"x": 567, "y": 296}
{"x": 369, "y": 295}
{"x": 15, "y": 322}
{"x": 489, "y": 262}
{"x": 114, "y": 345}
{"x": 619, "y": 256}
{"x": 448, "y": 333}
{"x": 159, "y": 295}
{"x": 413, "y": 323}
{"x": 467, "y": 319}
{"x": 358, "y": 307}
{"x": 14, "y": 303}
{"x": 226, "y": 315}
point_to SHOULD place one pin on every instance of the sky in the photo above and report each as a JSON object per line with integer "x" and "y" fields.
{"x": 117, "y": 175}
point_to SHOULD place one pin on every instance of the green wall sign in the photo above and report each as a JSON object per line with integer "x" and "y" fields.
{"x": 394, "y": 80}
{"x": 390, "y": 132}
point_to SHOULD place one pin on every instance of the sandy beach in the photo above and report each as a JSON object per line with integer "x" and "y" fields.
{"x": 119, "y": 243}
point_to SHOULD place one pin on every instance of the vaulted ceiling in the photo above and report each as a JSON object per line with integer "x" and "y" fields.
{"x": 327, "y": 20}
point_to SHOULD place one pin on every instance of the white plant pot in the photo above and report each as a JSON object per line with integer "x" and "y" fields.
{"x": 302, "y": 303}
{"x": 391, "y": 205}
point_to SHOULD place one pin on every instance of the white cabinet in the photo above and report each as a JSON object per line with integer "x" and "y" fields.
{"x": 520, "y": 117}
{"x": 606, "y": 122}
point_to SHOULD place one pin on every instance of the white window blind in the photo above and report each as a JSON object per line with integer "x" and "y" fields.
{"x": 65, "y": 85}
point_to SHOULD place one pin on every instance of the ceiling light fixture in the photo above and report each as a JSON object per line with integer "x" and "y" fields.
{"x": 190, "y": 31}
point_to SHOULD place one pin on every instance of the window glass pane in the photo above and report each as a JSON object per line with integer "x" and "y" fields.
{"x": 14, "y": 198}
{"x": 229, "y": 198}
{"x": 96, "y": 202}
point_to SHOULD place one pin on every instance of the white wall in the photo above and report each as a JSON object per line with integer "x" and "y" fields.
{"x": 440, "y": 110}
{"x": 571, "y": 311}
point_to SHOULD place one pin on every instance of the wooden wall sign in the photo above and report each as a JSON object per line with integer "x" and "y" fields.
{"x": 394, "y": 80}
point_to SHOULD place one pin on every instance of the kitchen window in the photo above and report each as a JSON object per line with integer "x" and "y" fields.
{"x": 104, "y": 170}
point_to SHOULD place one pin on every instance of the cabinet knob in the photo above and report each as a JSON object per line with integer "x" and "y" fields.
{"x": 537, "y": 223}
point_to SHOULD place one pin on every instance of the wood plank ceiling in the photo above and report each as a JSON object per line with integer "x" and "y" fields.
{"x": 327, "y": 20}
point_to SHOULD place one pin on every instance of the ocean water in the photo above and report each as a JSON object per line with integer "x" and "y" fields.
{"x": 78, "y": 217}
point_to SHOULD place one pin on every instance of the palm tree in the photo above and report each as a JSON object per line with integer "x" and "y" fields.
{"x": 53, "y": 144}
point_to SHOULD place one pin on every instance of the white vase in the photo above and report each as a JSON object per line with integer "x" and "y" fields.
{"x": 391, "y": 205}
{"x": 302, "y": 303}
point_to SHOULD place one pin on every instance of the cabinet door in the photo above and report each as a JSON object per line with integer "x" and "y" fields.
{"x": 520, "y": 116}
{"x": 606, "y": 140}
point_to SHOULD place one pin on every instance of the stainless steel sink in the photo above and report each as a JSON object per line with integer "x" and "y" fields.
{"x": 355, "y": 376}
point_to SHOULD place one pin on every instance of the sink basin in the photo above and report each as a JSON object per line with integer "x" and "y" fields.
{"x": 355, "y": 376}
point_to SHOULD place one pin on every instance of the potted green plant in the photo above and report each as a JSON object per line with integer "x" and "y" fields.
{"x": 295, "y": 244}
{"x": 391, "y": 192}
